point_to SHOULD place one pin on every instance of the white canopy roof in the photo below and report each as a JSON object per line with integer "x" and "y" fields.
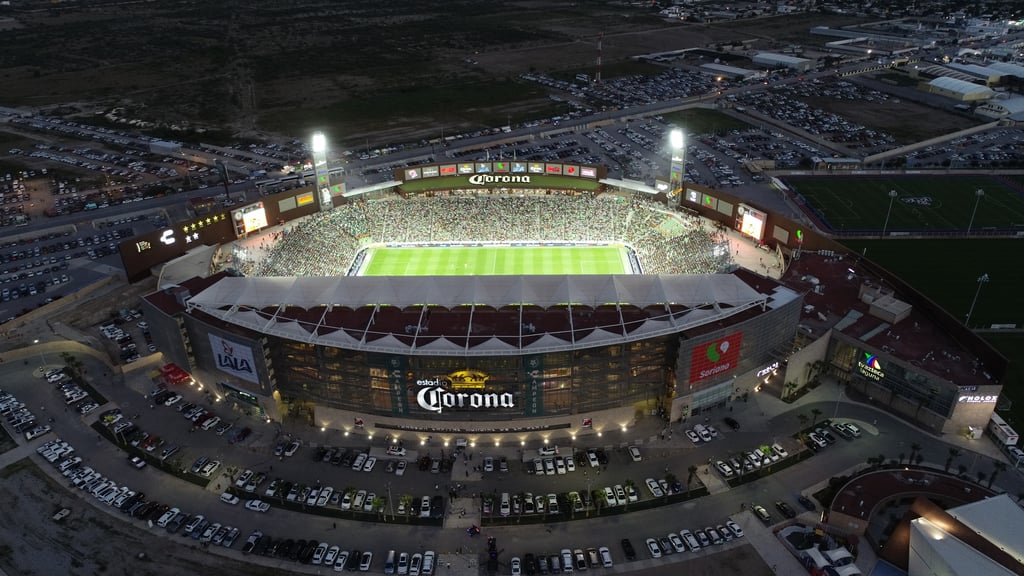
{"x": 646, "y": 306}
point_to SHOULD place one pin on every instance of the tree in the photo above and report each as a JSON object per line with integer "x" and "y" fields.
{"x": 981, "y": 476}
{"x": 522, "y": 498}
{"x": 817, "y": 414}
{"x": 789, "y": 389}
{"x": 803, "y": 418}
{"x": 406, "y": 503}
{"x": 997, "y": 467}
{"x": 915, "y": 449}
{"x": 953, "y": 453}
{"x": 919, "y": 458}
{"x": 900, "y": 461}
{"x": 692, "y": 471}
{"x": 627, "y": 484}
{"x": 962, "y": 469}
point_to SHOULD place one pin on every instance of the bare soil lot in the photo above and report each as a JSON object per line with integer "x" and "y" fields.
{"x": 87, "y": 542}
{"x": 346, "y": 67}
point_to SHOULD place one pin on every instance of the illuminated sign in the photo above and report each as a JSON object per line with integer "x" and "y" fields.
{"x": 715, "y": 358}
{"x": 167, "y": 238}
{"x": 588, "y": 172}
{"x": 870, "y": 367}
{"x": 143, "y": 245}
{"x": 235, "y": 359}
{"x": 303, "y": 199}
{"x": 752, "y": 225}
{"x": 768, "y": 369}
{"x": 977, "y": 399}
{"x": 482, "y": 179}
{"x": 436, "y": 394}
{"x": 255, "y": 219}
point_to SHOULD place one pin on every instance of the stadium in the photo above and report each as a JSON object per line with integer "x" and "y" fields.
{"x": 509, "y": 312}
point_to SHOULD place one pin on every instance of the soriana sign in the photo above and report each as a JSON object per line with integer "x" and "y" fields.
{"x": 716, "y": 357}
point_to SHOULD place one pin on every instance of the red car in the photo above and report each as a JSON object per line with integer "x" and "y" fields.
{"x": 241, "y": 435}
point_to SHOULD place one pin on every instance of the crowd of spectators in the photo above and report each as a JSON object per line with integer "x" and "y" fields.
{"x": 328, "y": 243}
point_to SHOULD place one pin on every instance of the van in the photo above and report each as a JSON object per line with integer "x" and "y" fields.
{"x": 389, "y": 564}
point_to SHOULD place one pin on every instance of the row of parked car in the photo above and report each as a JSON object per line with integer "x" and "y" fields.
{"x": 688, "y": 541}
{"x": 335, "y": 557}
{"x": 566, "y": 560}
{"x": 20, "y": 418}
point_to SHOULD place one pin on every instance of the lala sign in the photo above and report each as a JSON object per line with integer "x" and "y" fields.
{"x": 481, "y": 179}
{"x": 432, "y": 397}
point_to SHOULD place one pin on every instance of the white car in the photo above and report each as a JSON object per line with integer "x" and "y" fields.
{"x": 570, "y": 464}
{"x": 162, "y": 522}
{"x": 653, "y": 548}
{"x": 631, "y": 494}
{"x": 257, "y": 505}
{"x": 606, "y": 556}
{"x": 244, "y": 478}
{"x": 368, "y": 465}
{"x": 620, "y": 495}
{"x": 403, "y": 563}
{"x": 229, "y": 498}
{"x": 320, "y": 552}
{"x": 360, "y": 498}
{"x": 396, "y": 451}
{"x": 734, "y": 528}
{"x": 400, "y": 468}
{"x": 693, "y": 436}
{"x": 357, "y": 465}
{"x": 324, "y": 497}
{"x": 634, "y": 453}
{"x": 560, "y": 465}
{"x": 211, "y": 423}
{"x": 655, "y": 489}
{"x": 369, "y": 503}
{"x": 592, "y": 459}
{"x": 517, "y": 566}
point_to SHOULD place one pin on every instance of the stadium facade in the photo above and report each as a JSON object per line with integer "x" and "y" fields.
{"x": 517, "y": 358}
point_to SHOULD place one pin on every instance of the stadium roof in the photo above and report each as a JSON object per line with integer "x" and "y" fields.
{"x": 476, "y": 315}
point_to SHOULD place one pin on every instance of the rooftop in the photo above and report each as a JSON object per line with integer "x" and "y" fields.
{"x": 833, "y": 286}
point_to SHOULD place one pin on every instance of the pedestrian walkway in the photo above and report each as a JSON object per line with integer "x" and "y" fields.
{"x": 767, "y": 544}
{"x": 23, "y": 451}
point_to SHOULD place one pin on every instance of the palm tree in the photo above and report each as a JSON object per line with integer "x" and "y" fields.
{"x": 628, "y": 483}
{"x": 817, "y": 414}
{"x": 789, "y": 389}
{"x": 902, "y": 455}
{"x": 406, "y": 503}
{"x": 670, "y": 479}
{"x": 919, "y": 458}
{"x": 692, "y": 471}
{"x": 981, "y": 477}
{"x": 522, "y": 499}
{"x": 915, "y": 449}
{"x": 997, "y": 467}
{"x": 803, "y": 419}
{"x": 962, "y": 470}
{"x": 953, "y": 453}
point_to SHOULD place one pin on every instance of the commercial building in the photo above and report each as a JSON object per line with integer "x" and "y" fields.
{"x": 771, "y": 60}
{"x": 960, "y": 90}
{"x": 982, "y": 537}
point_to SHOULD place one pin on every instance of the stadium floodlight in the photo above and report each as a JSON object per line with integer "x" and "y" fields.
{"x": 678, "y": 165}
{"x": 982, "y": 280}
{"x": 979, "y": 193}
{"x": 319, "y": 142}
{"x": 892, "y": 196}
{"x": 675, "y": 139}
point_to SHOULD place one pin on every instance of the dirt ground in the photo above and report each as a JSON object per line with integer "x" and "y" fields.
{"x": 87, "y": 542}
{"x": 907, "y": 121}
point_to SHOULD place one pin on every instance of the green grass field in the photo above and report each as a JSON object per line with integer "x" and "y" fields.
{"x": 494, "y": 260}
{"x": 925, "y": 203}
{"x": 947, "y": 272}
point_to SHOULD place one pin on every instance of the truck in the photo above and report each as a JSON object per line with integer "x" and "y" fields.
{"x": 1001, "y": 431}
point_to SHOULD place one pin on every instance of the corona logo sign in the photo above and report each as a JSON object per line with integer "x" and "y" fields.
{"x": 484, "y": 179}
{"x": 437, "y": 394}
{"x": 467, "y": 379}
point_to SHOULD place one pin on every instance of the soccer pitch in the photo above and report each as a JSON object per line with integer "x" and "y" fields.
{"x": 494, "y": 260}
{"x": 922, "y": 203}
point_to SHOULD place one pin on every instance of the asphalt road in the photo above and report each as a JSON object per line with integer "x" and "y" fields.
{"x": 677, "y": 454}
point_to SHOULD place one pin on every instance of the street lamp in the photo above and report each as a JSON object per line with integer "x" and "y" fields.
{"x": 978, "y": 193}
{"x": 983, "y": 279}
{"x": 892, "y": 196}
{"x": 678, "y": 165}
{"x": 42, "y": 357}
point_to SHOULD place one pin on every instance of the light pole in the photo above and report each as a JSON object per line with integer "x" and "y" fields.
{"x": 978, "y": 193}
{"x": 321, "y": 172}
{"x": 391, "y": 508}
{"x": 892, "y": 197}
{"x": 42, "y": 357}
{"x": 983, "y": 279}
{"x": 678, "y": 166}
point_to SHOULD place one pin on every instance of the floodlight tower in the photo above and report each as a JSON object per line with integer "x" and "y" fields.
{"x": 678, "y": 166}
{"x": 323, "y": 177}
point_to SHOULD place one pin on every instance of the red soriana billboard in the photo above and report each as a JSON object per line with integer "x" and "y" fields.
{"x": 716, "y": 357}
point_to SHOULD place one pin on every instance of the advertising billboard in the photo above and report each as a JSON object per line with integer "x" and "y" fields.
{"x": 234, "y": 359}
{"x": 715, "y": 358}
{"x": 144, "y": 251}
{"x": 255, "y": 219}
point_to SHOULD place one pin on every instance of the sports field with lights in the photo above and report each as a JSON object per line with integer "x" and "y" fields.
{"x": 475, "y": 260}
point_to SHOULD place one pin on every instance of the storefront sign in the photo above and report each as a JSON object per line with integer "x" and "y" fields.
{"x": 768, "y": 369}
{"x": 870, "y": 367}
{"x": 977, "y": 399}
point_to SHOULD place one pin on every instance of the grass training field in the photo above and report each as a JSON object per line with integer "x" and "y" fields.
{"x": 923, "y": 203}
{"x": 494, "y": 260}
{"x": 947, "y": 271}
